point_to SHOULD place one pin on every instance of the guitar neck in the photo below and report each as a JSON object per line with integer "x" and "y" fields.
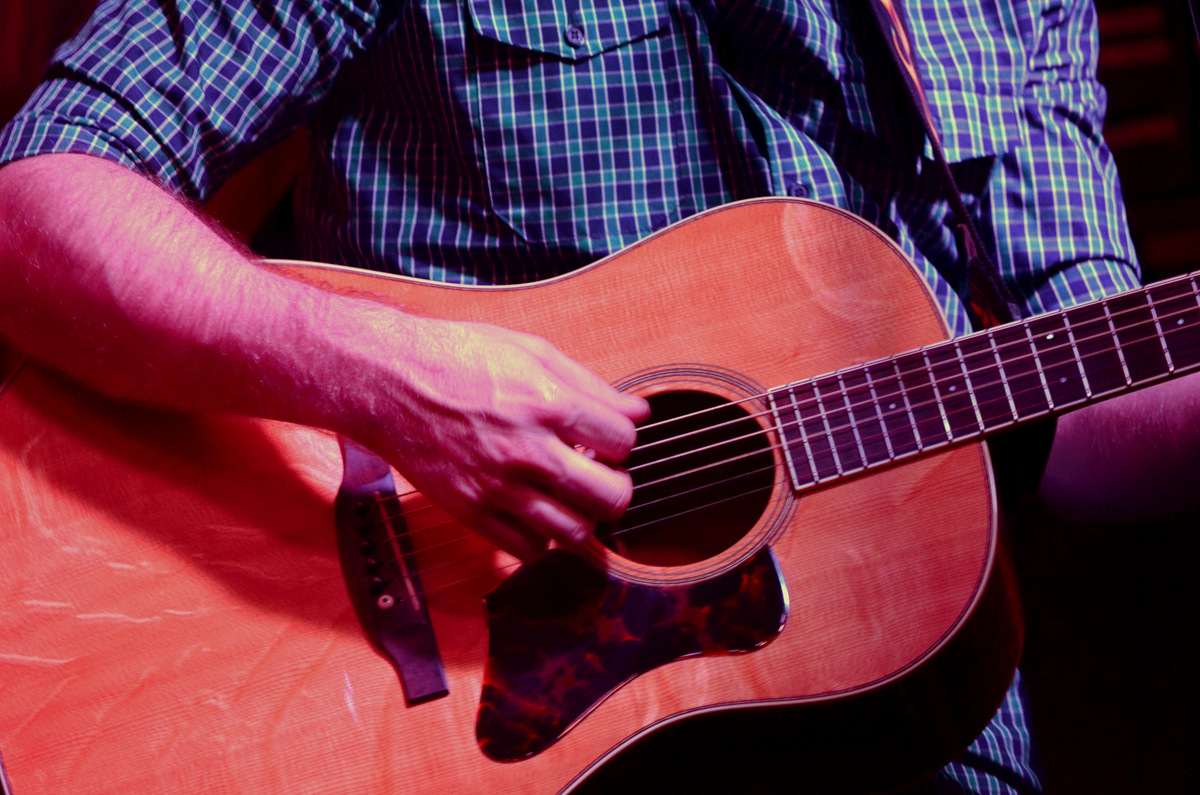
{"x": 893, "y": 409}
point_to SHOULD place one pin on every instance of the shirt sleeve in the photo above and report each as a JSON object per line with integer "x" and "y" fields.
{"x": 187, "y": 91}
{"x": 1058, "y": 217}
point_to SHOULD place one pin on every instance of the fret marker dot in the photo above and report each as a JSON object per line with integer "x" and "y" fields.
{"x": 1179, "y": 322}
{"x": 891, "y": 406}
{"x": 1049, "y": 336}
{"x": 953, "y": 388}
{"x": 1062, "y": 380}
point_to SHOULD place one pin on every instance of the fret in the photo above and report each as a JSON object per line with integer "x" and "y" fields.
{"x": 884, "y": 434}
{"x": 1178, "y": 316}
{"x": 1136, "y": 336}
{"x": 795, "y": 447}
{"x": 866, "y": 416}
{"x": 928, "y": 420}
{"x": 893, "y": 407}
{"x": 1054, "y": 352}
{"x": 985, "y": 380}
{"x": 1158, "y": 333}
{"x": 1112, "y": 328}
{"x": 831, "y": 396}
{"x": 1025, "y": 385}
{"x": 1098, "y": 354}
{"x": 1037, "y": 366}
{"x": 1087, "y": 387}
{"x": 953, "y": 391}
{"x": 970, "y": 386}
{"x": 1008, "y": 394}
{"x": 811, "y": 416}
{"x": 851, "y": 420}
{"x": 862, "y": 417}
{"x": 908, "y": 406}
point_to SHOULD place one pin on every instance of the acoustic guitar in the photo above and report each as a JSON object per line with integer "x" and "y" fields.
{"x": 810, "y": 569}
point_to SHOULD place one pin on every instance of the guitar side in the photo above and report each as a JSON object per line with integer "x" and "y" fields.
{"x": 172, "y": 616}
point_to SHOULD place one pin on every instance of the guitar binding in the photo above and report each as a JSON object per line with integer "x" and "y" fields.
{"x": 710, "y": 483}
{"x": 563, "y": 636}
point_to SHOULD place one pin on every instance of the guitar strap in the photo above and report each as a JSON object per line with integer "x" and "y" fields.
{"x": 989, "y": 301}
{"x": 1019, "y": 456}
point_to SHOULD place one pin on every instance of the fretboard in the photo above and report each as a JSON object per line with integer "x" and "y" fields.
{"x": 884, "y": 411}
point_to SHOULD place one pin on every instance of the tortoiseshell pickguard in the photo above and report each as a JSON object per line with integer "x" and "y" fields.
{"x": 564, "y": 635}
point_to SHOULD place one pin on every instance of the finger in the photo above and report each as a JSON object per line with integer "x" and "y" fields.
{"x": 593, "y": 489}
{"x": 511, "y": 536}
{"x": 536, "y": 511}
{"x": 589, "y": 412}
{"x": 579, "y": 419}
{"x": 580, "y": 378}
{"x": 609, "y": 435}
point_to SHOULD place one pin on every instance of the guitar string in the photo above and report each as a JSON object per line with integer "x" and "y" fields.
{"x": 446, "y": 586}
{"x": 612, "y": 534}
{"x": 458, "y": 561}
{"x": 975, "y": 409}
{"x": 622, "y": 531}
{"x": 866, "y": 462}
{"x": 1021, "y": 342}
{"x": 678, "y": 513}
{"x": 449, "y": 521}
{"x": 846, "y": 408}
{"x": 1153, "y": 319}
{"x": 961, "y": 373}
{"x": 989, "y": 353}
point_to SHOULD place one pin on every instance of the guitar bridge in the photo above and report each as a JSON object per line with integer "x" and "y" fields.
{"x": 377, "y": 559}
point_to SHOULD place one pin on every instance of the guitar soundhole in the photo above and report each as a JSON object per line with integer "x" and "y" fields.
{"x": 702, "y": 475}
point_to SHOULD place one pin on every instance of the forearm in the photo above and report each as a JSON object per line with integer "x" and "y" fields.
{"x": 110, "y": 279}
{"x": 1132, "y": 458}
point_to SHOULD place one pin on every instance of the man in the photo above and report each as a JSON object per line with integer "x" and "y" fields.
{"x": 480, "y": 142}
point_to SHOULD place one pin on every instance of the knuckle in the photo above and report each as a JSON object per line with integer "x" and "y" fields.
{"x": 550, "y": 397}
{"x": 568, "y": 414}
{"x": 574, "y": 527}
{"x": 551, "y": 468}
{"x": 616, "y": 440}
{"x": 531, "y": 455}
{"x": 487, "y": 492}
{"x": 536, "y": 345}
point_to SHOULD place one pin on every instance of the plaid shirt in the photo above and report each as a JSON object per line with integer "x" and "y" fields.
{"x": 493, "y": 141}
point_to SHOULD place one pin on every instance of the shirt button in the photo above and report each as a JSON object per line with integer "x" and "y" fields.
{"x": 575, "y": 35}
{"x": 797, "y": 190}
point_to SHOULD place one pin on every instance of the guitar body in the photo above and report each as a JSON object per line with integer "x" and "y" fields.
{"x": 173, "y": 617}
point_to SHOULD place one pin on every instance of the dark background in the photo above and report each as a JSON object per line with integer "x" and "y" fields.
{"x": 1111, "y": 657}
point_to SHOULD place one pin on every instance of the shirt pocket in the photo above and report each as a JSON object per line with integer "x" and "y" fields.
{"x": 571, "y": 110}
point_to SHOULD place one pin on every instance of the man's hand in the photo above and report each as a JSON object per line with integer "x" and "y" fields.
{"x": 509, "y": 436}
